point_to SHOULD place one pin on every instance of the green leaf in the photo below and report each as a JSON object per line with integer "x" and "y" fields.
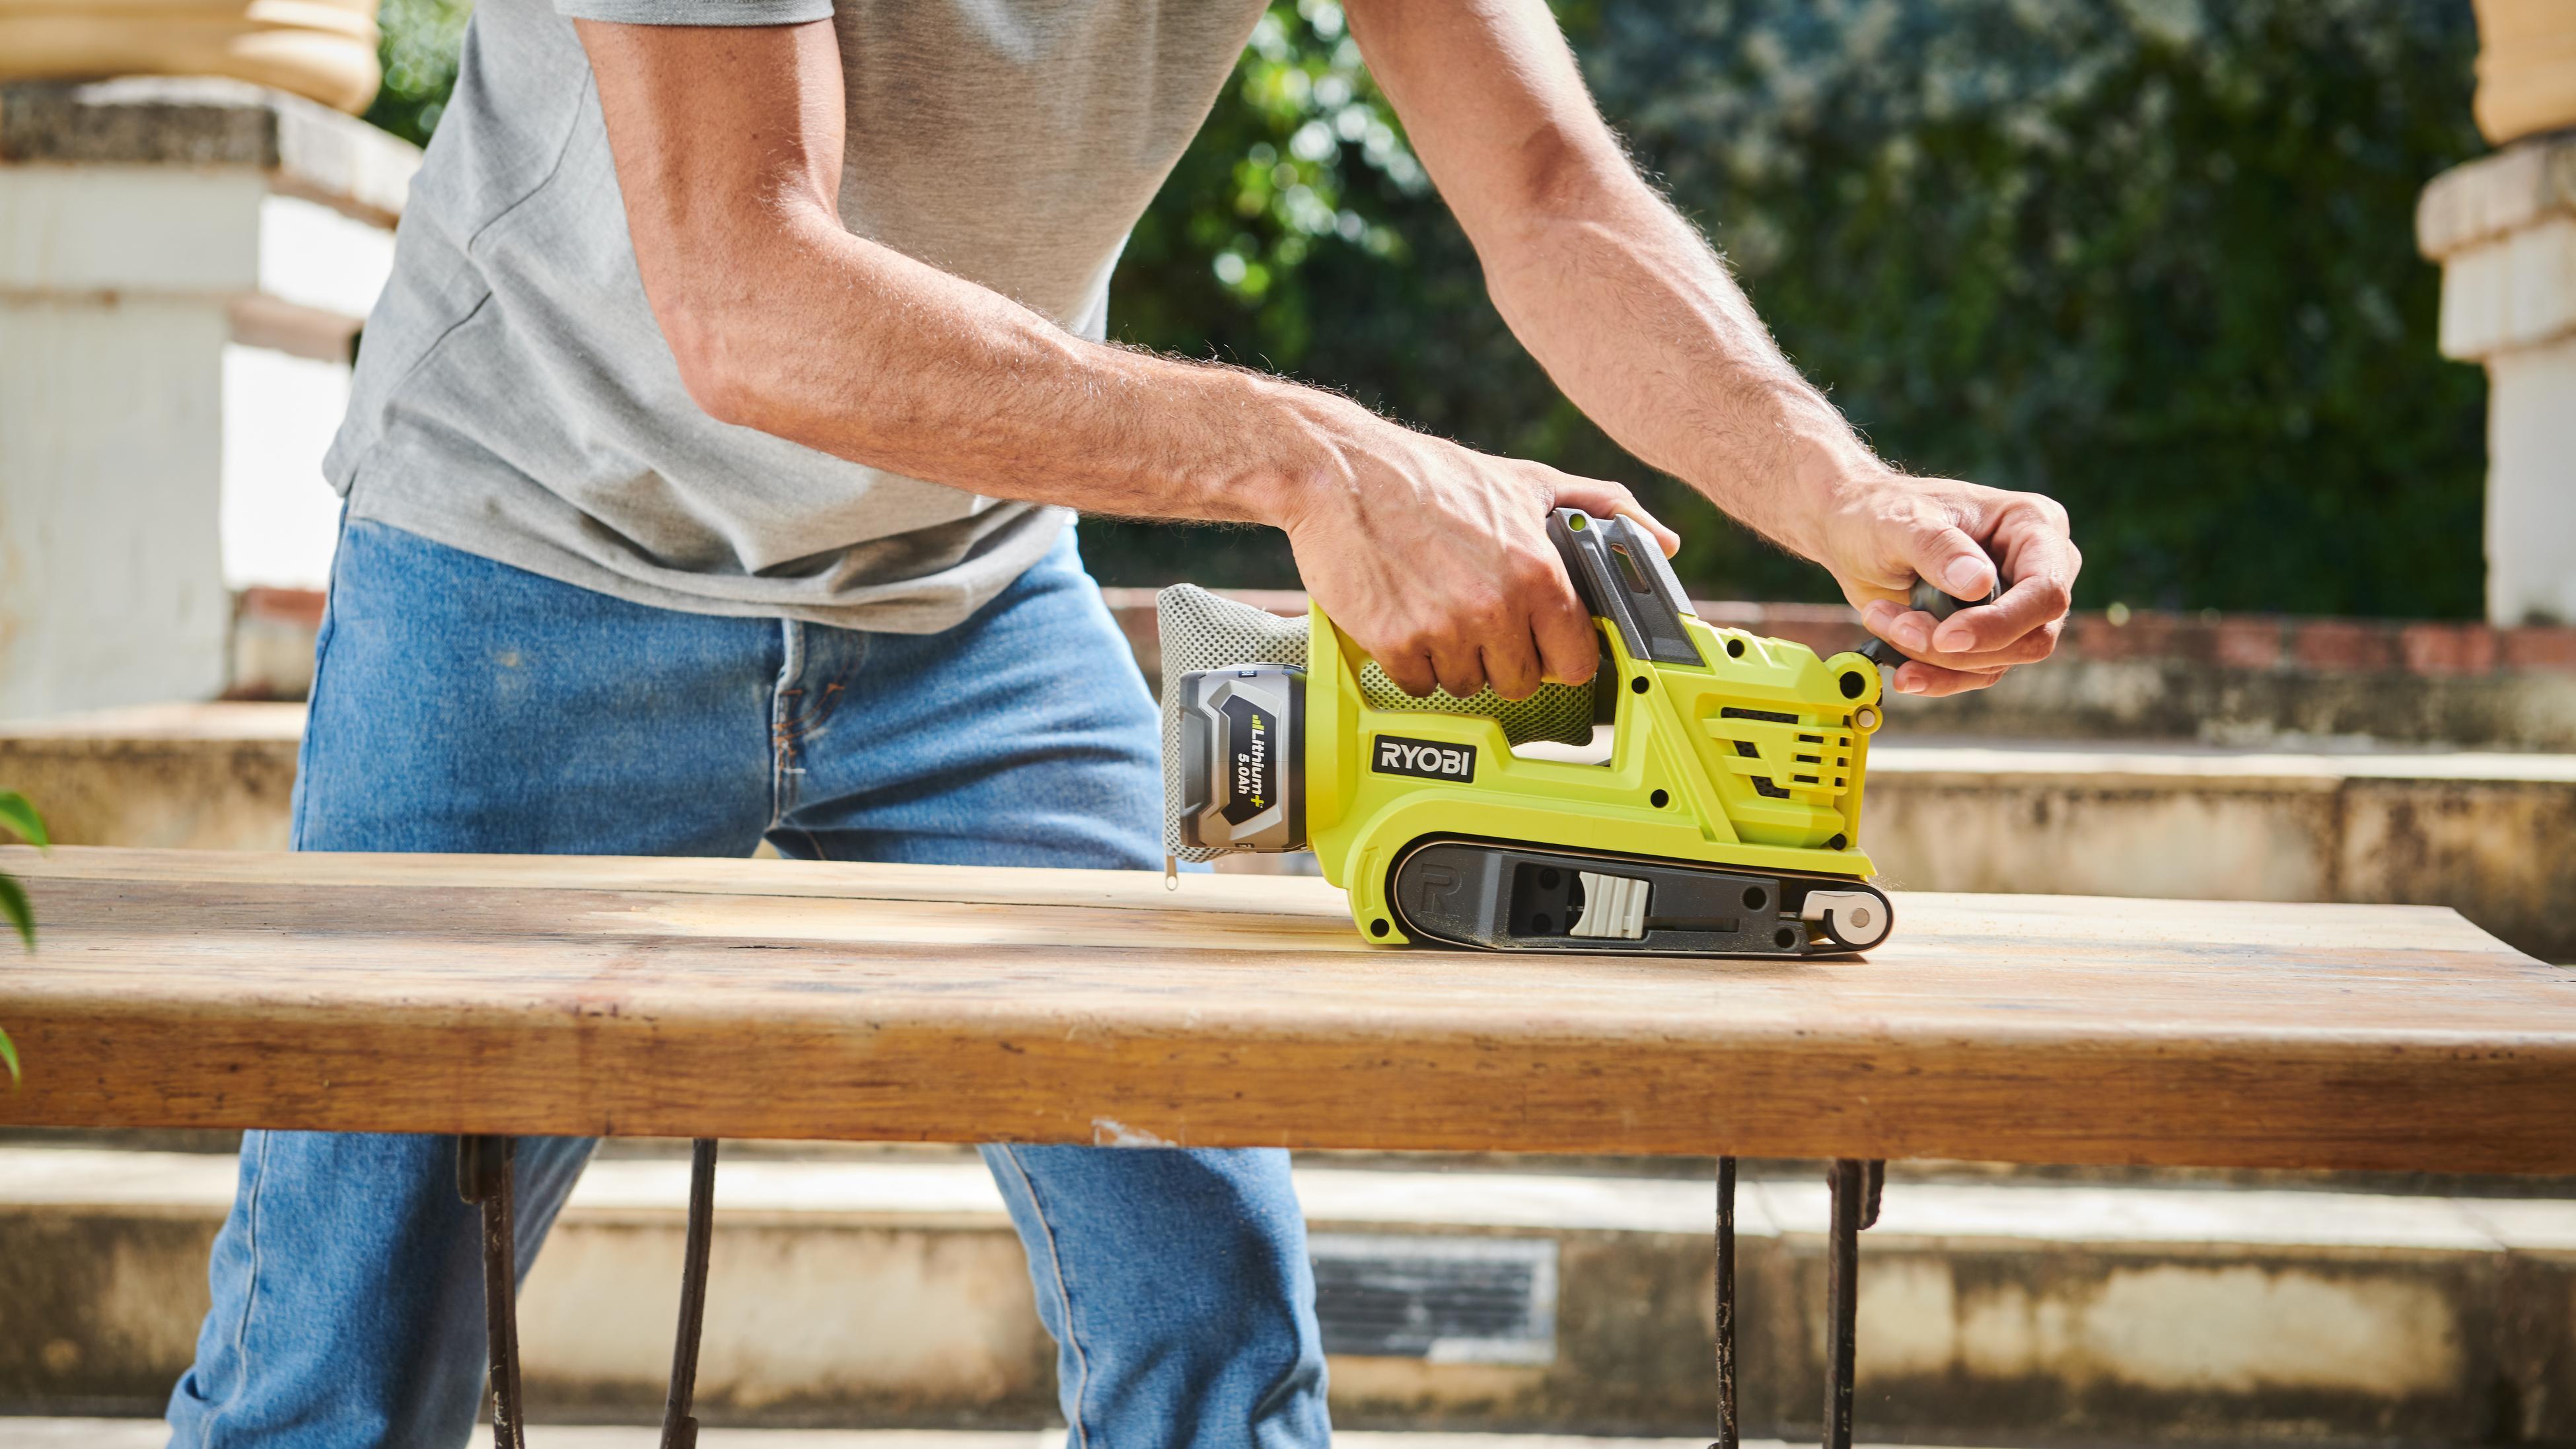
{"x": 9, "y": 1058}
{"x": 13, "y": 905}
{"x": 21, "y": 817}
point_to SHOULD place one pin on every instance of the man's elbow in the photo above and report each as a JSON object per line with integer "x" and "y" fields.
{"x": 717, "y": 368}
{"x": 1568, "y": 173}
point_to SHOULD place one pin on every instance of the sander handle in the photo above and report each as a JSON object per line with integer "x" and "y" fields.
{"x": 1621, "y": 575}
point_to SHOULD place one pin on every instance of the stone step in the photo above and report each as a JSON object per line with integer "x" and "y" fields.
{"x": 2490, "y": 833}
{"x": 189, "y": 776}
{"x": 891, "y": 1292}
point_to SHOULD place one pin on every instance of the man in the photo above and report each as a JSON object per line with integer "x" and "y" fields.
{"x": 708, "y": 468}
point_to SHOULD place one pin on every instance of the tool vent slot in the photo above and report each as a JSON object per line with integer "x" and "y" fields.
{"x": 1773, "y": 753}
{"x": 1444, "y": 1299}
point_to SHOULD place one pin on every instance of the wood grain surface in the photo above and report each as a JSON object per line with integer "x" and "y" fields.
{"x": 792, "y": 999}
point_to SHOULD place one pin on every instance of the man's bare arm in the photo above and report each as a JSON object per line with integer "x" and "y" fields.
{"x": 728, "y": 149}
{"x": 1638, "y": 321}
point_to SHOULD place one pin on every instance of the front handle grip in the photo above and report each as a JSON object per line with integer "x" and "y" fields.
{"x": 1929, "y": 598}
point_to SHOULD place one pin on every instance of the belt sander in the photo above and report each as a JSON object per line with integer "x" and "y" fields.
{"x": 1725, "y": 819}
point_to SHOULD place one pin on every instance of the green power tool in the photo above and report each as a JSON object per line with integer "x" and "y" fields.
{"x": 1723, "y": 818}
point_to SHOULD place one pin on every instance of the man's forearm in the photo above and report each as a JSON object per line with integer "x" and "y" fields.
{"x": 856, "y": 350}
{"x": 1637, "y": 319}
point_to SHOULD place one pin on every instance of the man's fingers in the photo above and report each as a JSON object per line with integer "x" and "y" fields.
{"x": 1953, "y": 561}
{"x": 2030, "y": 603}
{"x": 1512, "y": 667}
{"x": 1931, "y": 681}
{"x": 2031, "y": 538}
{"x": 1460, "y": 668}
{"x": 1569, "y": 649}
{"x": 1602, "y": 500}
{"x": 1412, "y": 673}
{"x": 1915, "y": 633}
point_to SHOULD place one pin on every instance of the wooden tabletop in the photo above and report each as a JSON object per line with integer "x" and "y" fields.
{"x": 791, "y": 999}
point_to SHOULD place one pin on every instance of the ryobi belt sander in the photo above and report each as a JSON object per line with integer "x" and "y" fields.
{"x": 1726, "y": 820}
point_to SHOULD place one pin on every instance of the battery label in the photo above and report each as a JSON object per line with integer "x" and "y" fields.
{"x": 1252, "y": 760}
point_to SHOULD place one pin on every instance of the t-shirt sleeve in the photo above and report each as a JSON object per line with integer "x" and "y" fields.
{"x": 697, "y": 12}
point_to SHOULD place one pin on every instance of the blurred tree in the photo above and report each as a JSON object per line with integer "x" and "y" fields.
{"x": 418, "y": 49}
{"x": 2155, "y": 257}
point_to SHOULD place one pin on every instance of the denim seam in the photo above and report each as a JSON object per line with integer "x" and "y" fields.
{"x": 250, "y": 1297}
{"x": 1063, "y": 1293}
{"x": 304, "y": 747}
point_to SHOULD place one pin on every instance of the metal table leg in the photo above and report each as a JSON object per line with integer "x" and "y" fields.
{"x": 1856, "y": 1187}
{"x": 679, "y": 1428}
{"x": 483, "y": 1176}
{"x": 1728, "y": 1428}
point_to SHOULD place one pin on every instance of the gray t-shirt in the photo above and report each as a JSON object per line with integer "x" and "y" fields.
{"x": 514, "y": 397}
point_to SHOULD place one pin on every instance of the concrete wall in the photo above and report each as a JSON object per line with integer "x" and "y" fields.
{"x": 183, "y": 266}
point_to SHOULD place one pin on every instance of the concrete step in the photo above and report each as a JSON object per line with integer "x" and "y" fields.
{"x": 2488, "y": 833}
{"x": 183, "y": 776}
{"x": 891, "y": 1292}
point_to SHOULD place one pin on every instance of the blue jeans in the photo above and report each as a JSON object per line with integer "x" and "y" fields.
{"x": 463, "y": 705}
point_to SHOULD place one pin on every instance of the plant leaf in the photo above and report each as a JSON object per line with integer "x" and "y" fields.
{"x": 21, "y": 817}
{"x": 13, "y": 905}
{"x": 9, "y": 1058}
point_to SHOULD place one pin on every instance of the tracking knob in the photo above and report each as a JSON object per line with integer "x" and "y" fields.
{"x": 1928, "y": 598}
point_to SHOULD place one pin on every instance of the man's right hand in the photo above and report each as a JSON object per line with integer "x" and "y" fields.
{"x": 1435, "y": 558}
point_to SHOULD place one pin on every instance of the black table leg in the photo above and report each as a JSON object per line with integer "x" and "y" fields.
{"x": 1728, "y": 1428}
{"x": 679, "y": 1428}
{"x": 483, "y": 1176}
{"x": 1856, "y": 1187}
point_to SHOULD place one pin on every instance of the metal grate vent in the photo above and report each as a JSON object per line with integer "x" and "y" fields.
{"x": 1448, "y": 1300}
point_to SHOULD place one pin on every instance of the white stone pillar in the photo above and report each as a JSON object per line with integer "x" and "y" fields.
{"x": 183, "y": 265}
{"x": 2504, "y": 229}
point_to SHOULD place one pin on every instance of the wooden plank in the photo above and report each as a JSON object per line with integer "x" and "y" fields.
{"x": 788, "y": 999}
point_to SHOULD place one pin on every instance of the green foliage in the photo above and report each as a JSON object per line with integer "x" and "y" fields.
{"x": 2153, "y": 258}
{"x": 418, "y": 51}
{"x": 20, "y": 817}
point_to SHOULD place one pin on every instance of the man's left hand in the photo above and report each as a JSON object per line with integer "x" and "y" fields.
{"x": 1890, "y": 528}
